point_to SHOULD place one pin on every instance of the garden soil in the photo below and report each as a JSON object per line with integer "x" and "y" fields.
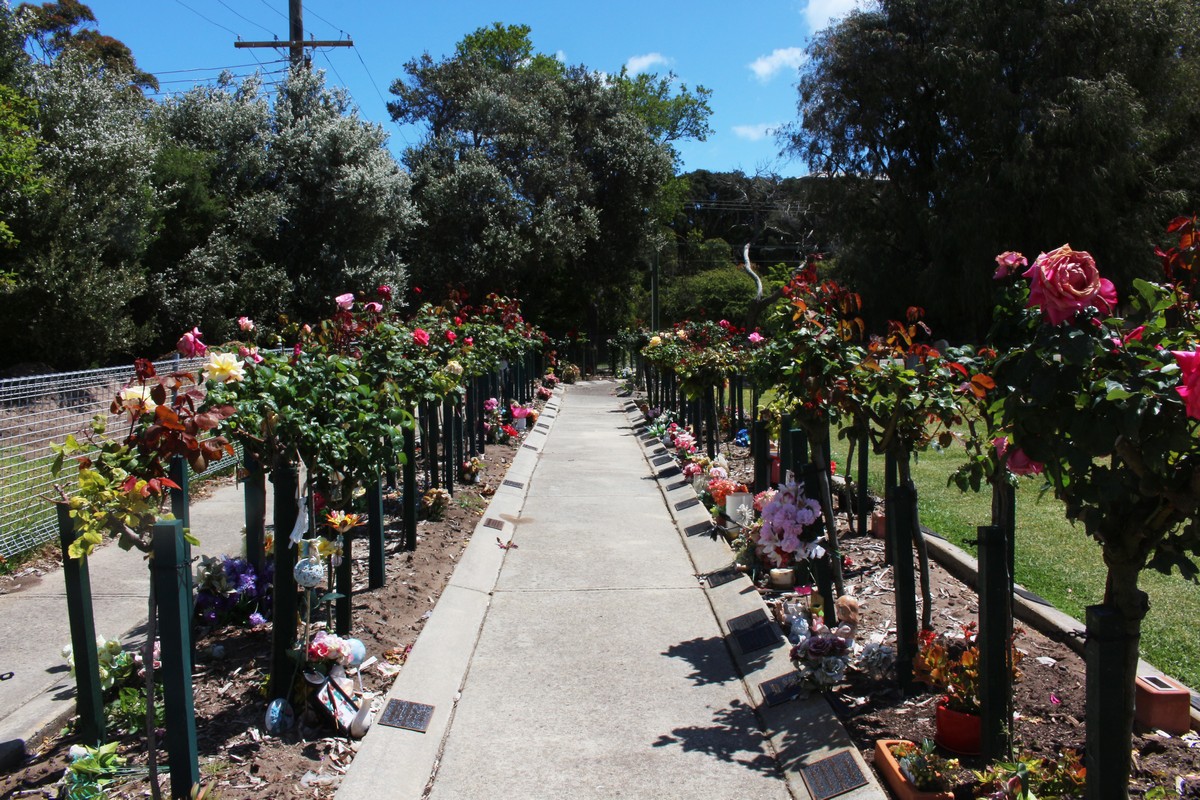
{"x": 238, "y": 760}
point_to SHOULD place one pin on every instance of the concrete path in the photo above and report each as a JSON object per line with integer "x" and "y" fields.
{"x": 34, "y": 626}
{"x": 585, "y": 660}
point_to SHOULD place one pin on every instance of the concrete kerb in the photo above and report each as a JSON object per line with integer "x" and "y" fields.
{"x": 399, "y": 763}
{"x": 1041, "y": 616}
{"x": 801, "y": 731}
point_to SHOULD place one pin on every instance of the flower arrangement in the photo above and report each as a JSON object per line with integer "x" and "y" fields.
{"x": 434, "y": 503}
{"x": 822, "y": 658}
{"x": 720, "y": 488}
{"x": 117, "y": 665}
{"x": 230, "y": 591}
{"x": 325, "y": 649}
{"x": 544, "y": 393}
{"x": 924, "y": 768}
{"x": 519, "y": 412}
{"x": 951, "y": 664}
{"x": 469, "y": 471}
{"x": 549, "y": 381}
{"x": 570, "y": 372}
{"x": 791, "y": 529}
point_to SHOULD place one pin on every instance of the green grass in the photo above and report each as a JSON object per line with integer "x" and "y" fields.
{"x": 1055, "y": 559}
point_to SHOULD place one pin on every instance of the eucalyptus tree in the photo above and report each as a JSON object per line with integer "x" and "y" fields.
{"x": 536, "y": 178}
{"x": 945, "y": 132}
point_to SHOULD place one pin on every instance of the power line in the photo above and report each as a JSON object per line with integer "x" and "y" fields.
{"x": 242, "y": 76}
{"x": 206, "y": 19}
{"x": 243, "y": 16}
{"x": 367, "y": 69}
{"x": 213, "y": 69}
{"x": 273, "y": 8}
{"x": 327, "y": 22}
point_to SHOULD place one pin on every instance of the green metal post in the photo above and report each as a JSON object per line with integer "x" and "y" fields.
{"x": 173, "y": 589}
{"x": 899, "y": 518}
{"x": 255, "y": 484}
{"x": 89, "y": 698}
{"x": 375, "y": 563}
{"x": 785, "y": 444}
{"x": 408, "y": 497}
{"x": 762, "y": 461}
{"x": 864, "y": 502}
{"x": 1111, "y": 653}
{"x": 995, "y": 667}
{"x": 343, "y": 580}
{"x": 178, "y": 471}
{"x": 284, "y": 613}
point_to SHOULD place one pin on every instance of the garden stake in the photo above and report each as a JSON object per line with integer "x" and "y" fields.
{"x": 375, "y": 562}
{"x": 344, "y": 579}
{"x": 762, "y": 462}
{"x": 172, "y": 577}
{"x": 89, "y": 698}
{"x": 995, "y": 653}
{"x": 256, "y": 509}
{"x": 1111, "y": 653}
{"x": 408, "y": 496}
{"x": 899, "y": 524}
{"x": 283, "y": 613}
{"x": 864, "y": 500}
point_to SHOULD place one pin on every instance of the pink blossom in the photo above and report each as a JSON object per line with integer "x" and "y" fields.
{"x": 373, "y": 307}
{"x": 1008, "y": 263}
{"x": 1065, "y": 281}
{"x": 250, "y": 354}
{"x": 384, "y": 292}
{"x": 421, "y": 336}
{"x": 246, "y": 324}
{"x": 189, "y": 345}
{"x": 1189, "y": 388}
{"x": 344, "y": 301}
{"x": 451, "y": 336}
{"x": 1018, "y": 463}
{"x": 756, "y": 337}
{"x": 470, "y": 340}
{"x": 491, "y": 404}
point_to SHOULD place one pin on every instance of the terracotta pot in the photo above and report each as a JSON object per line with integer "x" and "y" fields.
{"x": 887, "y": 766}
{"x": 958, "y": 731}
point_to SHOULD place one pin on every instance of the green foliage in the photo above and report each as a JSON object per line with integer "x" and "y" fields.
{"x": 127, "y": 713}
{"x": 89, "y": 773}
{"x": 18, "y": 156}
{"x": 951, "y": 131}
{"x": 1031, "y": 777}
{"x": 924, "y": 768}
{"x": 722, "y": 293}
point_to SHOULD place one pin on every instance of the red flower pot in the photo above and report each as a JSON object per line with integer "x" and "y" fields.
{"x": 958, "y": 731}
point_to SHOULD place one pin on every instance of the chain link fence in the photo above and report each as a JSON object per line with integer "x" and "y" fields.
{"x": 38, "y": 410}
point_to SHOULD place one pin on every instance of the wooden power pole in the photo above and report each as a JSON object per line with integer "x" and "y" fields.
{"x": 295, "y": 42}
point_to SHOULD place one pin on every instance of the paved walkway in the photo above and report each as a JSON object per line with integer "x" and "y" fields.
{"x": 586, "y": 660}
{"x": 34, "y": 625}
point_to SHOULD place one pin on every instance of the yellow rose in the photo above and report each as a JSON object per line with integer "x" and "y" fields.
{"x": 224, "y": 368}
{"x": 136, "y": 400}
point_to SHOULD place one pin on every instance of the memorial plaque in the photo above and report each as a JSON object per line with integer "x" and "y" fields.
{"x": 689, "y": 503}
{"x": 755, "y": 617}
{"x": 670, "y": 472}
{"x": 660, "y": 460}
{"x": 756, "y": 638}
{"x": 698, "y": 529}
{"x": 491, "y": 522}
{"x": 781, "y": 689}
{"x": 406, "y": 714}
{"x": 541, "y": 425}
{"x": 721, "y": 577}
{"x": 529, "y": 447}
{"x": 514, "y": 484}
{"x": 829, "y": 777}
{"x": 680, "y": 485}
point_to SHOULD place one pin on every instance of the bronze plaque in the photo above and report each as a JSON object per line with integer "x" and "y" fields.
{"x": 406, "y": 714}
{"x": 829, "y": 777}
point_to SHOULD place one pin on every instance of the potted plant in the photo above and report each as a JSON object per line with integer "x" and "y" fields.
{"x": 951, "y": 664}
{"x": 914, "y": 772}
{"x": 1032, "y": 776}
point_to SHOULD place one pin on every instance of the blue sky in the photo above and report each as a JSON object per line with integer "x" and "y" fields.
{"x": 746, "y": 51}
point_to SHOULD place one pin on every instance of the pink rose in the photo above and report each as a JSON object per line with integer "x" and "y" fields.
{"x": 189, "y": 345}
{"x": 470, "y": 340}
{"x": 1018, "y": 463}
{"x": 373, "y": 308}
{"x": 384, "y": 292}
{"x": 1064, "y": 281}
{"x": 249, "y": 353}
{"x": 246, "y": 324}
{"x": 451, "y": 336}
{"x": 344, "y": 301}
{"x": 755, "y": 337}
{"x": 421, "y": 337}
{"x": 1008, "y": 263}
{"x": 1189, "y": 388}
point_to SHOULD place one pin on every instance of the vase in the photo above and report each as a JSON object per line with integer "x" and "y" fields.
{"x": 309, "y": 572}
{"x": 887, "y": 766}
{"x": 735, "y": 501}
{"x": 519, "y": 423}
{"x": 958, "y": 731}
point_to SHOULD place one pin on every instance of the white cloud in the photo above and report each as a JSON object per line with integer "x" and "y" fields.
{"x": 756, "y": 133}
{"x": 561, "y": 56}
{"x": 765, "y": 67}
{"x": 819, "y": 13}
{"x": 637, "y": 64}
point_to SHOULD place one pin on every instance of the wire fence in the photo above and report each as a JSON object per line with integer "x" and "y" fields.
{"x": 36, "y": 411}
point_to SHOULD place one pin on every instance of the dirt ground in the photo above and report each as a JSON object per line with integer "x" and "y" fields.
{"x": 238, "y": 760}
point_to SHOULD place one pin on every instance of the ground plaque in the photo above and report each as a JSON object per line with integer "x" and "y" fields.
{"x": 669, "y": 472}
{"x": 753, "y": 631}
{"x": 690, "y": 502}
{"x": 529, "y": 447}
{"x": 681, "y": 484}
{"x": 491, "y": 522}
{"x": 698, "y": 528}
{"x": 514, "y": 484}
{"x": 406, "y": 714}
{"x": 658, "y": 461}
{"x": 721, "y": 577}
{"x": 781, "y": 689}
{"x": 829, "y": 777}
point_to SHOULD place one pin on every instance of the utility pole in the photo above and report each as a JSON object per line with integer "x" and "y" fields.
{"x": 295, "y": 42}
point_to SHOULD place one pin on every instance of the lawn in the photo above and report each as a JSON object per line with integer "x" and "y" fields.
{"x": 1055, "y": 559}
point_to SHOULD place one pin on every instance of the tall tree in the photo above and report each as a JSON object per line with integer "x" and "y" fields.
{"x": 536, "y": 178}
{"x": 947, "y": 131}
{"x": 68, "y": 26}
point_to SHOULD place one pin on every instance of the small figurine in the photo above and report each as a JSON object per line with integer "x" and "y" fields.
{"x": 846, "y": 608}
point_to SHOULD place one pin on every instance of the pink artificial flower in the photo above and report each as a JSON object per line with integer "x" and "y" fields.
{"x": 373, "y": 307}
{"x": 344, "y": 301}
{"x": 756, "y": 337}
{"x": 491, "y": 404}
{"x": 451, "y": 336}
{"x": 1189, "y": 388}
{"x": 1065, "y": 281}
{"x": 421, "y": 337}
{"x": 189, "y": 345}
{"x": 246, "y": 324}
{"x": 1008, "y": 263}
{"x": 1018, "y": 463}
{"x": 385, "y": 292}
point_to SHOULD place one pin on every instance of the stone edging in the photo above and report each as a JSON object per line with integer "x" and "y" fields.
{"x": 800, "y": 731}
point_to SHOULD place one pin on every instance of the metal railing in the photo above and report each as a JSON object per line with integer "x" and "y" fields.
{"x": 36, "y": 411}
